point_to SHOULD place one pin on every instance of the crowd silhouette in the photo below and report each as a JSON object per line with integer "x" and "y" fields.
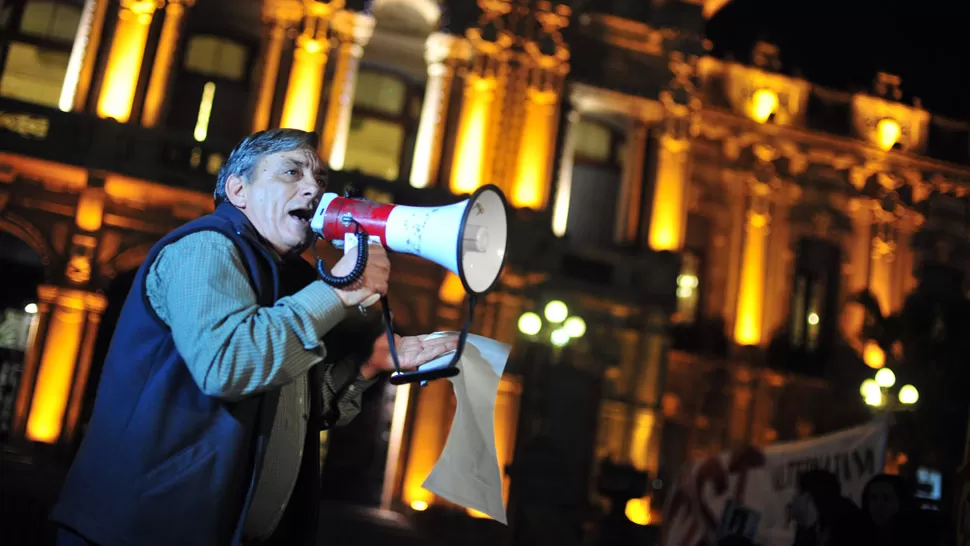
{"x": 890, "y": 515}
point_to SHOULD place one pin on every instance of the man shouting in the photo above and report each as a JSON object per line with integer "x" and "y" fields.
{"x": 229, "y": 357}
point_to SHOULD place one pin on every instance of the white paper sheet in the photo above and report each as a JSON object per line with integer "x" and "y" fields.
{"x": 467, "y": 472}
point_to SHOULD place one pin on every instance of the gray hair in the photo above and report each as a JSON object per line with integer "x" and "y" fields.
{"x": 246, "y": 155}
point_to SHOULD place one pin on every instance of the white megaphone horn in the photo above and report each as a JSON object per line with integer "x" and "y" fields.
{"x": 468, "y": 238}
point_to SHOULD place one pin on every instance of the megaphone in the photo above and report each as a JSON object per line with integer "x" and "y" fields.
{"x": 468, "y": 238}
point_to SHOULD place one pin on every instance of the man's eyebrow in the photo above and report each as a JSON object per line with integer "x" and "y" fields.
{"x": 320, "y": 172}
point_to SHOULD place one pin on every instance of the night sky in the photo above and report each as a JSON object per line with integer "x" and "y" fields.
{"x": 843, "y": 45}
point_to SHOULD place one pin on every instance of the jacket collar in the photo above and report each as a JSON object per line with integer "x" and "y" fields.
{"x": 245, "y": 228}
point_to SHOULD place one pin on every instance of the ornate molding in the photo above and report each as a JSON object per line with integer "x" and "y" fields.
{"x": 594, "y": 100}
{"x": 886, "y": 123}
{"x": 79, "y": 268}
{"x": 821, "y": 210}
{"x": 72, "y": 298}
{"x": 760, "y": 94}
{"x": 353, "y": 28}
{"x": 627, "y": 34}
{"x": 27, "y": 232}
{"x": 549, "y": 22}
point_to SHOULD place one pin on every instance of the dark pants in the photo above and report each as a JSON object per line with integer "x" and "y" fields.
{"x": 67, "y": 537}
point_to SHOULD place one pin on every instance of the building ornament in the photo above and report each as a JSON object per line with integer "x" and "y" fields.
{"x": 25, "y": 125}
{"x": 762, "y": 94}
{"x": 630, "y": 35}
{"x": 594, "y": 100}
{"x": 886, "y": 123}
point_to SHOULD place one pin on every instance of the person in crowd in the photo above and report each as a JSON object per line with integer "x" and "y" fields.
{"x": 890, "y": 503}
{"x": 824, "y": 517}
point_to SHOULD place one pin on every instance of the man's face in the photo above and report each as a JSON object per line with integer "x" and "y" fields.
{"x": 280, "y": 197}
{"x": 883, "y": 503}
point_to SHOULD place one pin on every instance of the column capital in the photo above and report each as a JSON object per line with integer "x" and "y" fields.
{"x": 353, "y": 29}
{"x": 883, "y": 249}
{"x": 439, "y": 47}
{"x": 352, "y": 25}
{"x": 283, "y": 13}
{"x": 141, "y": 10}
{"x": 71, "y": 298}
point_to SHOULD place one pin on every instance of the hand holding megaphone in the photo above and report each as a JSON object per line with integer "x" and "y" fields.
{"x": 372, "y": 283}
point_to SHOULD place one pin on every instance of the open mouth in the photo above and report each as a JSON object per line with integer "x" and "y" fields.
{"x": 303, "y": 215}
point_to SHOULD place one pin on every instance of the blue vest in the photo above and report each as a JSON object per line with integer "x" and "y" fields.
{"x": 161, "y": 462}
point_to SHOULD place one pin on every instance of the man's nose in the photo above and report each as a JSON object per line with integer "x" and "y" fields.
{"x": 311, "y": 188}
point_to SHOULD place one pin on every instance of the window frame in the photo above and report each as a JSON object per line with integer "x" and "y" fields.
{"x": 617, "y": 144}
{"x": 248, "y": 61}
{"x": 11, "y": 34}
{"x": 829, "y": 277}
{"x": 408, "y": 120}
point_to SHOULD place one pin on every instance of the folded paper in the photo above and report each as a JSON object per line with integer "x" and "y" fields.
{"x": 467, "y": 473}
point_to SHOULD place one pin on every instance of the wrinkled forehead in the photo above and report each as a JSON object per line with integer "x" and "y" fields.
{"x": 304, "y": 158}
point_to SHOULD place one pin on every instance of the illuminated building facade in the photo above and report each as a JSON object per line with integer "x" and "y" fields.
{"x": 707, "y": 219}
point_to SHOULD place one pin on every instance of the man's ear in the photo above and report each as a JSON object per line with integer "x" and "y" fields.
{"x": 236, "y": 191}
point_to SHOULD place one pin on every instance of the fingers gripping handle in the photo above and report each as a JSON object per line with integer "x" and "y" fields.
{"x": 351, "y": 242}
{"x": 350, "y": 278}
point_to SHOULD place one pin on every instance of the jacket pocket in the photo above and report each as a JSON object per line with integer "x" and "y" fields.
{"x": 171, "y": 471}
{"x": 178, "y": 502}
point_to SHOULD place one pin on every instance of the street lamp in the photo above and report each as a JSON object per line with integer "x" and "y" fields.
{"x": 561, "y": 327}
{"x": 877, "y": 392}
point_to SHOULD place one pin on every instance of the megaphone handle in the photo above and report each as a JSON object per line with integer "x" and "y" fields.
{"x": 402, "y": 377}
{"x": 352, "y": 241}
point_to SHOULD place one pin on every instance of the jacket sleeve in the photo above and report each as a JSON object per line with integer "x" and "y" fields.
{"x": 234, "y": 347}
{"x": 349, "y": 345}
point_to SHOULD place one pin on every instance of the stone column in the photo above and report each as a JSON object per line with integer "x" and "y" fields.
{"x": 80, "y": 66}
{"x": 857, "y": 268}
{"x": 310, "y": 55}
{"x": 168, "y": 45}
{"x": 278, "y": 17}
{"x": 668, "y": 217}
{"x": 749, "y": 318}
{"x": 56, "y": 369}
{"x": 353, "y": 31}
{"x": 441, "y": 51}
{"x": 125, "y": 59}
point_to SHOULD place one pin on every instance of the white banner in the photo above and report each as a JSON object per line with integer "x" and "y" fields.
{"x": 748, "y": 491}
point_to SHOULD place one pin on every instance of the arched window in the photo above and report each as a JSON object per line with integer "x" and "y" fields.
{"x": 36, "y": 38}
{"x": 211, "y": 91}
{"x": 387, "y": 108}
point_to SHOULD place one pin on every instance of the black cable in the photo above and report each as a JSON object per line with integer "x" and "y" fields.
{"x": 414, "y": 376}
{"x": 356, "y": 273}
